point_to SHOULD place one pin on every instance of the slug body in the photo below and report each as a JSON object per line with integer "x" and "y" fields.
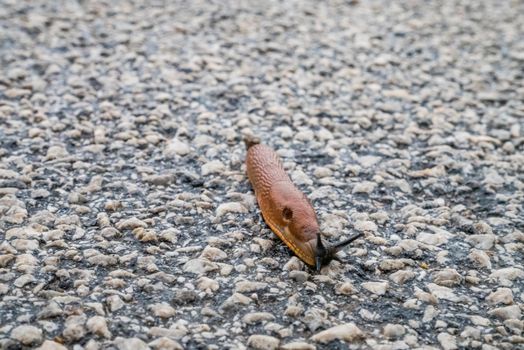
{"x": 285, "y": 209}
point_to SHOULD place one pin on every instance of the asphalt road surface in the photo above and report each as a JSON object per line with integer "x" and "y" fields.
{"x": 126, "y": 217}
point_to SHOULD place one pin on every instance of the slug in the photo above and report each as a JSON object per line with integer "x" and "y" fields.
{"x": 285, "y": 209}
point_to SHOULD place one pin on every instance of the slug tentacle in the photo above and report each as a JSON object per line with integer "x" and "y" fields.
{"x": 321, "y": 253}
{"x": 324, "y": 255}
{"x": 286, "y": 210}
{"x": 337, "y": 247}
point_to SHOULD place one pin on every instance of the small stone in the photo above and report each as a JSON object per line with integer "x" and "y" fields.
{"x": 364, "y": 187}
{"x": 225, "y": 269}
{"x": 163, "y": 96}
{"x": 213, "y": 254}
{"x": 347, "y": 332}
{"x": 304, "y": 135}
{"x": 293, "y": 311}
{"x": 25, "y": 244}
{"x": 248, "y": 286}
{"x": 482, "y": 228}
{"x": 483, "y": 242}
{"x": 255, "y": 317}
{"x": 51, "y": 345}
{"x": 164, "y": 343}
{"x": 235, "y": 301}
{"x": 480, "y": 258}
{"x": 5, "y": 259}
{"x": 145, "y": 235}
{"x": 490, "y": 96}
{"x": 176, "y": 147}
{"x": 298, "y": 276}
{"x": 447, "y": 277}
{"x": 368, "y": 161}
{"x": 391, "y": 264}
{"x": 393, "y": 331}
{"x": 130, "y": 224}
{"x": 206, "y": 311}
{"x": 162, "y": 310}
{"x": 507, "y": 312}
{"x": 53, "y": 235}
{"x": 436, "y": 171}
{"x": 298, "y": 346}
{"x": 99, "y": 135}
{"x": 263, "y": 342}
{"x": 480, "y": 321}
{"x": 293, "y": 264}
{"x": 378, "y": 288}
{"x": 202, "y": 140}
{"x": 98, "y": 325}
{"x": 508, "y": 147}
{"x": 231, "y": 207}
{"x": 432, "y": 239}
{"x": 324, "y": 134}
{"x": 315, "y": 318}
{"x": 441, "y": 292}
{"x": 27, "y": 335}
{"x": 440, "y": 324}
{"x": 500, "y": 296}
{"x": 402, "y": 276}
{"x": 493, "y": 179}
{"x": 207, "y": 284}
{"x": 130, "y": 344}
{"x": 169, "y": 235}
{"x": 113, "y": 205}
{"x": 184, "y": 296}
{"x": 345, "y": 288}
{"x": 447, "y": 341}
{"x": 199, "y": 266}
{"x": 321, "y": 172}
{"x": 24, "y": 280}
{"x": 17, "y": 73}
{"x": 516, "y": 326}
{"x": 470, "y": 332}
{"x": 98, "y": 307}
{"x": 15, "y": 215}
{"x": 40, "y": 193}
{"x": 213, "y": 167}
{"x": 53, "y": 309}
{"x": 300, "y": 178}
{"x": 177, "y": 330}
{"x": 429, "y": 313}
{"x": 56, "y": 152}
{"x": 8, "y": 174}
{"x": 114, "y": 302}
{"x": 364, "y": 226}
{"x": 381, "y": 217}
{"x": 160, "y": 180}
{"x": 285, "y": 132}
{"x": 507, "y": 274}
{"x": 74, "y": 327}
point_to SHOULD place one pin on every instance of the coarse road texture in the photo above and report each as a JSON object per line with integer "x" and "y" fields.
{"x": 126, "y": 217}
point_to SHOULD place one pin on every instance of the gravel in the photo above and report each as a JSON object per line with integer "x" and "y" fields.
{"x": 126, "y": 217}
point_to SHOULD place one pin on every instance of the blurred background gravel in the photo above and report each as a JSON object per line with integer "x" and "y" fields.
{"x": 126, "y": 217}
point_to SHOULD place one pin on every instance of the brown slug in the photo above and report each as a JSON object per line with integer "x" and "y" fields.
{"x": 285, "y": 209}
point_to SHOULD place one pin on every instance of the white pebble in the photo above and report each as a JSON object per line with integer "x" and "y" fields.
{"x": 347, "y": 332}
{"x": 27, "y": 334}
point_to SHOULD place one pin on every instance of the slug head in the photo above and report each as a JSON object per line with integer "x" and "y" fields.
{"x": 323, "y": 255}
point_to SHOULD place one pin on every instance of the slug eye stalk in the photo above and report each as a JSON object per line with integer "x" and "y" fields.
{"x": 325, "y": 254}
